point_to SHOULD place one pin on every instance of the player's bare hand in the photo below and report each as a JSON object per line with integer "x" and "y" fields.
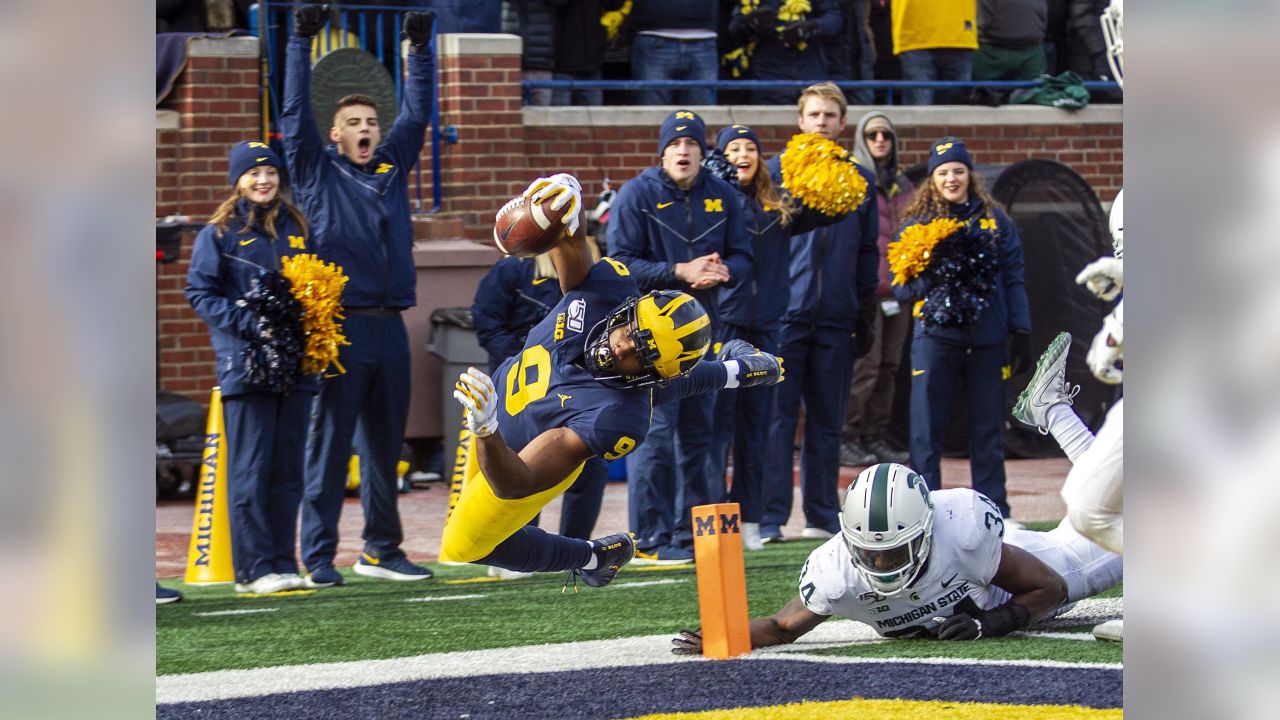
{"x": 703, "y": 272}
{"x": 564, "y": 189}
{"x": 479, "y": 398}
{"x": 688, "y": 642}
{"x": 1103, "y": 277}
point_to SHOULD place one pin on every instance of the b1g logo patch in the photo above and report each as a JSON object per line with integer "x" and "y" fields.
{"x": 577, "y": 315}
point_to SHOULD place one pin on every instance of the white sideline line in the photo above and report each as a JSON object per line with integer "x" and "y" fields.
{"x": 558, "y": 657}
{"x": 642, "y": 583}
{"x": 233, "y": 612}
{"x": 446, "y": 597}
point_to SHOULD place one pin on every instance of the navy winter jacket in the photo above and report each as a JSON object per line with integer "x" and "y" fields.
{"x": 359, "y": 216}
{"x": 1007, "y": 310}
{"x": 672, "y": 14}
{"x": 654, "y": 224}
{"x": 759, "y": 301}
{"x": 509, "y": 301}
{"x": 775, "y": 59}
{"x": 223, "y": 266}
{"x": 832, "y": 268}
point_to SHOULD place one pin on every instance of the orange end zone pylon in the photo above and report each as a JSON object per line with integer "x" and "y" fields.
{"x": 722, "y": 580}
{"x": 209, "y": 559}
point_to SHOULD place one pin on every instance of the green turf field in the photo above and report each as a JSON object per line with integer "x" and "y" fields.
{"x": 370, "y": 619}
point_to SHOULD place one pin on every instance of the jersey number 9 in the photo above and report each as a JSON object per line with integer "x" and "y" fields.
{"x": 520, "y": 390}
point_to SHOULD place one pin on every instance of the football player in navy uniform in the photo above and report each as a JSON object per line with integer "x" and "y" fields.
{"x": 912, "y": 563}
{"x": 584, "y": 385}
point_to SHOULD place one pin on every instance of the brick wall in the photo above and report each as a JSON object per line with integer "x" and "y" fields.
{"x": 501, "y": 147}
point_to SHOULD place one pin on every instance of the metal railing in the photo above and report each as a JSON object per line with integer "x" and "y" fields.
{"x": 373, "y": 28}
{"x": 847, "y": 85}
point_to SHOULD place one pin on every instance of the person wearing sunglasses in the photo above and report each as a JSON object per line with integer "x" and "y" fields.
{"x": 871, "y": 399}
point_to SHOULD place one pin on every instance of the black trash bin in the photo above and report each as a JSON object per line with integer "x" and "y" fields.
{"x": 453, "y": 340}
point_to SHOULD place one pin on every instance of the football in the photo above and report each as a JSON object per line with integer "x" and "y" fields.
{"x": 525, "y": 229}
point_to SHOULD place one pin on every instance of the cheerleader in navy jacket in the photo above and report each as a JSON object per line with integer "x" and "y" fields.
{"x": 266, "y": 407}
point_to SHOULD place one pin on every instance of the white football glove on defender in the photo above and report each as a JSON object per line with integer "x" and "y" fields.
{"x": 479, "y": 398}
{"x": 565, "y": 188}
{"x": 1106, "y": 354}
{"x": 1104, "y": 277}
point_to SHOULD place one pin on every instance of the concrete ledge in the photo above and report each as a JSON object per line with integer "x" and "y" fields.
{"x": 167, "y": 120}
{"x": 769, "y": 115}
{"x": 453, "y": 253}
{"x": 245, "y": 46}
{"x": 478, "y": 44}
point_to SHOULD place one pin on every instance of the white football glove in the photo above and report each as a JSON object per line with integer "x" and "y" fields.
{"x": 565, "y": 189}
{"x": 479, "y": 398}
{"x": 1106, "y": 353}
{"x": 1104, "y": 277}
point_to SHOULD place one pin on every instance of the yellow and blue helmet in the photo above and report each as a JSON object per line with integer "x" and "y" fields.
{"x": 671, "y": 331}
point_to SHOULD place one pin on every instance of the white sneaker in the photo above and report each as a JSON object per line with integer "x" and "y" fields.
{"x": 506, "y": 574}
{"x": 1112, "y": 630}
{"x": 296, "y": 581}
{"x": 1048, "y": 386}
{"x": 813, "y": 533}
{"x": 267, "y": 584}
{"x": 751, "y": 537}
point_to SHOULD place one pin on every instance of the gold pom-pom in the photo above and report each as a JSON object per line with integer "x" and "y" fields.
{"x": 318, "y": 287}
{"x": 910, "y": 254}
{"x": 820, "y": 174}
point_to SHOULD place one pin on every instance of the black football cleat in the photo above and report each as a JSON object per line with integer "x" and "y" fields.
{"x": 612, "y": 552}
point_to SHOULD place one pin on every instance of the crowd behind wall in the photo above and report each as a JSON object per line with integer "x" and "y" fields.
{"x": 835, "y": 39}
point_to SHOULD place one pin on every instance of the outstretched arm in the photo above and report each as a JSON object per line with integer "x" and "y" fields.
{"x": 407, "y": 136}
{"x": 303, "y": 147}
{"x": 781, "y": 628}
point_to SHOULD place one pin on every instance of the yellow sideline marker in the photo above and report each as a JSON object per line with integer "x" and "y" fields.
{"x": 209, "y": 559}
{"x": 722, "y": 580}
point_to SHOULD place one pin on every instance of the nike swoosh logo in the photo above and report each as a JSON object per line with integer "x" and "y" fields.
{"x": 916, "y": 372}
{"x": 539, "y": 281}
{"x": 949, "y": 580}
{"x": 666, "y": 204}
{"x": 246, "y": 242}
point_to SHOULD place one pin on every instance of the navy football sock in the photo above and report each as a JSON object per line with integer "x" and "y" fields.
{"x": 533, "y": 549}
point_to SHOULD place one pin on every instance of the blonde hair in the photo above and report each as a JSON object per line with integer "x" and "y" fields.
{"x": 772, "y": 197}
{"x": 826, "y": 91}
{"x": 928, "y": 204}
{"x": 222, "y": 216}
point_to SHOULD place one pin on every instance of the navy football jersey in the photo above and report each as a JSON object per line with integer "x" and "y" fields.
{"x": 544, "y": 388}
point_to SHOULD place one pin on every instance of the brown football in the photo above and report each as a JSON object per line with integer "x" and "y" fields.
{"x": 525, "y": 229}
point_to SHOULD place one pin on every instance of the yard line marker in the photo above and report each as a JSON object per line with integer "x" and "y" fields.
{"x": 445, "y": 597}
{"x": 246, "y": 611}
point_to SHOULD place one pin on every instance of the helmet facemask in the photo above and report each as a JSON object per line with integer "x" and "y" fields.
{"x": 663, "y": 321}
{"x": 890, "y": 571}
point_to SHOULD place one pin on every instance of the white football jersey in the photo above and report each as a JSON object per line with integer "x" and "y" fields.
{"x": 968, "y": 537}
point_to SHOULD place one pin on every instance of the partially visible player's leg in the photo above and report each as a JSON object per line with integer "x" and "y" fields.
{"x": 1094, "y": 489}
{"x": 1087, "y": 568}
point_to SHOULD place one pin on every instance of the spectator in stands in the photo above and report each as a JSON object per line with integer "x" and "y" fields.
{"x": 828, "y": 323}
{"x": 1086, "y": 47}
{"x": 516, "y": 294}
{"x": 677, "y": 226}
{"x": 1011, "y": 36}
{"x": 459, "y": 16}
{"x": 934, "y": 40}
{"x": 851, "y": 52}
{"x": 266, "y": 415}
{"x": 202, "y": 15}
{"x": 875, "y": 375}
{"x": 583, "y": 58}
{"x": 972, "y": 329}
{"x": 885, "y": 65}
{"x": 784, "y": 44}
{"x": 356, "y": 195}
{"x": 532, "y": 20}
{"x": 673, "y": 40}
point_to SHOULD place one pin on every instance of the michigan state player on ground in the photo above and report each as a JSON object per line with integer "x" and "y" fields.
{"x": 912, "y": 563}
{"x": 584, "y": 385}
